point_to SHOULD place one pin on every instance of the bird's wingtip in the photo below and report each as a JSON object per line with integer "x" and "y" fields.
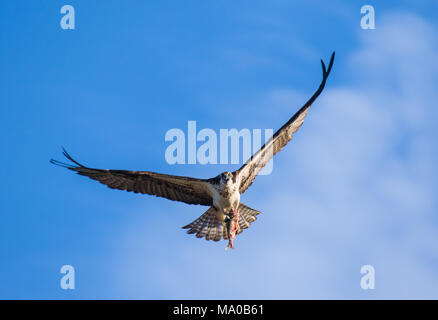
{"x": 61, "y": 164}
{"x": 326, "y": 70}
{"x": 66, "y": 165}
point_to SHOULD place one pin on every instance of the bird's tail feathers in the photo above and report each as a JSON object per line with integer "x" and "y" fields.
{"x": 247, "y": 215}
{"x": 209, "y": 226}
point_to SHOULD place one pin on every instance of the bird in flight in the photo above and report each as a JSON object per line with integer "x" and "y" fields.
{"x": 226, "y": 216}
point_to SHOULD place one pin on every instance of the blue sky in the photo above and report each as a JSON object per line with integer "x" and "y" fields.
{"x": 357, "y": 185}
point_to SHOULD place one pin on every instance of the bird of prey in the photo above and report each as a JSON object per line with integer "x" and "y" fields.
{"x": 226, "y": 216}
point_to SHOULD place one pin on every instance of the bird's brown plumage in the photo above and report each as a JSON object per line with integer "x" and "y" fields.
{"x": 252, "y": 167}
{"x": 177, "y": 188}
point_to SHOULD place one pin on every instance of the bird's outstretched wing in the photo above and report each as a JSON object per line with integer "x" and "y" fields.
{"x": 255, "y": 164}
{"x": 177, "y": 188}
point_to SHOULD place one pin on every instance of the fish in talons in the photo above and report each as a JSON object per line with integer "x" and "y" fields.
{"x": 232, "y": 224}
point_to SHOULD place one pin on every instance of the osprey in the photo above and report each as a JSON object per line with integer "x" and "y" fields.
{"x": 227, "y": 216}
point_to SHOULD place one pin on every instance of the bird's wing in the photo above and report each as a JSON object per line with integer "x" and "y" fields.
{"x": 255, "y": 164}
{"x": 177, "y": 188}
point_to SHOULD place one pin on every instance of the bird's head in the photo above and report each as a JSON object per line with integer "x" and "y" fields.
{"x": 226, "y": 178}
